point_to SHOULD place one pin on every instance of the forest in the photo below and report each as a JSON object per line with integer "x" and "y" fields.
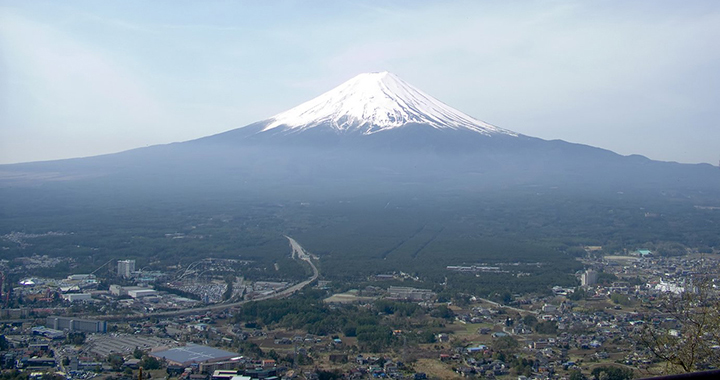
{"x": 541, "y": 231}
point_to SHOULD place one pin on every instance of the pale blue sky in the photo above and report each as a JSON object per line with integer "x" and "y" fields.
{"x": 80, "y": 78}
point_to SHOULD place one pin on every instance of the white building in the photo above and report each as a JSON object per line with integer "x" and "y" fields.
{"x": 74, "y": 297}
{"x": 81, "y": 277}
{"x": 140, "y": 293}
{"x": 588, "y": 278}
{"x": 126, "y": 268}
{"x": 669, "y": 287}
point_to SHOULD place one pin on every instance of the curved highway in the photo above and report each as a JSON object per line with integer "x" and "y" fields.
{"x": 297, "y": 252}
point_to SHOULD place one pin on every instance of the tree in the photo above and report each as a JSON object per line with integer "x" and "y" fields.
{"x": 684, "y": 340}
{"x": 530, "y": 320}
{"x": 576, "y": 375}
{"x": 578, "y": 294}
{"x": 620, "y": 299}
{"x": 442, "y": 311}
{"x": 328, "y": 375}
{"x": 76, "y": 337}
{"x": 506, "y": 344}
{"x": 250, "y": 349}
{"x": 150, "y": 362}
{"x": 612, "y": 373}
{"x": 547, "y": 328}
{"x": 116, "y": 361}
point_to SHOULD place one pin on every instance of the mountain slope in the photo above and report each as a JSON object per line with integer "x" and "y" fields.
{"x": 373, "y": 131}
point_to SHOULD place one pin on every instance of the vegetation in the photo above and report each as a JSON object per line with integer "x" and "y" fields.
{"x": 547, "y": 328}
{"x": 686, "y": 340}
{"x": 149, "y": 363}
{"x": 612, "y": 373}
{"x": 354, "y": 237}
{"x": 75, "y": 337}
{"x": 309, "y": 313}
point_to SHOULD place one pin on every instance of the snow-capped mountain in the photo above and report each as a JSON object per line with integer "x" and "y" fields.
{"x": 376, "y": 133}
{"x": 375, "y": 102}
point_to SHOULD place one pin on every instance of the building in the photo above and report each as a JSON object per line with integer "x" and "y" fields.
{"x": 81, "y": 277}
{"x": 642, "y": 253}
{"x": 132, "y": 291}
{"x": 74, "y": 324}
{"x": 549, "y": 309}
{"x": 588, "y": 278}
{"x": 75, "y": 297}
{"x": 669, "y": 287}
{"x": 126, "y": 268}
{"x": 409, "y": 294}
{"x": 193, "y": 354}
{"x": 140, "y": 293}
{"x": 48, "y": 333}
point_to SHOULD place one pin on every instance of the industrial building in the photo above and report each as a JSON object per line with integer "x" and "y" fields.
{"x": 140, "y": 293}
{"x": 75, "y": 324}
{"x": 193, "y": 353}
{"x": 75, "y": 297}
{"x": 132, "y": 291}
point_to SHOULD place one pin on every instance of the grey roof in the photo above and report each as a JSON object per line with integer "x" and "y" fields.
{"x": 194, "y": 353}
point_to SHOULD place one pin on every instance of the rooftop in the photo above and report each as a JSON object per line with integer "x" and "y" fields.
{"x": 194, "y": 353}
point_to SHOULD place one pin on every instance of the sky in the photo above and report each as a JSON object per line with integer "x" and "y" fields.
{"x": 82, "y": 78}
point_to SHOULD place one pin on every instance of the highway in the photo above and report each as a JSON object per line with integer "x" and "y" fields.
{"x": 507, "y": 307}
{"x": 297, "y": 252}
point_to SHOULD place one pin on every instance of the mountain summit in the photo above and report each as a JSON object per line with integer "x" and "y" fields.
{"x": 375, "y": 102}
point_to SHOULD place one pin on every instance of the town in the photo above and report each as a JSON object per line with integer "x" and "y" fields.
{"x": 189, "y": 324}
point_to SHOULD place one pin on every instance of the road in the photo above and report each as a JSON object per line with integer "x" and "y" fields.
{"x": 302, "y": 255}
{"x": 297, "y": 251}
{"x": 507, "y": 307}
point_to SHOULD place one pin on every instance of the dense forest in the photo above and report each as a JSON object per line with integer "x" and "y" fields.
{"x": 354, "y": 236}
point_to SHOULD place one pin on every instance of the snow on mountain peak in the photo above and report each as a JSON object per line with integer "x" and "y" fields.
{"x": 374, "y": 102}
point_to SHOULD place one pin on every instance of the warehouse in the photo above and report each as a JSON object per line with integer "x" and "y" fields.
{"x": 193, "y": 353}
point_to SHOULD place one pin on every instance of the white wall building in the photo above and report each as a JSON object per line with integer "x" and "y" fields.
{"x": 75, "y": 297}
{"x": 588, "y": 278}
{"x": 126, "y": 268}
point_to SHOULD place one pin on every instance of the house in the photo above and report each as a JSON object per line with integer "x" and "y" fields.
{"x": 642, "y": 253}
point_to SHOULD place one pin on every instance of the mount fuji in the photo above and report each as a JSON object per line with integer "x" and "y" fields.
{"x": 375, "y": 102}
{"x": 374, "y": 110}
{"x": 373, "y": 132}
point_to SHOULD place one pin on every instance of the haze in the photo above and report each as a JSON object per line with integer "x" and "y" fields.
{"x": 85, "y": 78}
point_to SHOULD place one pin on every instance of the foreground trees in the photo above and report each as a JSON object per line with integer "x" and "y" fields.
{"x": 687, "y": 336}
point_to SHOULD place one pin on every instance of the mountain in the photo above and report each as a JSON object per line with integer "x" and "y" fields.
{"x": 375, "y": 102}
{"x": 373, "y": 132}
